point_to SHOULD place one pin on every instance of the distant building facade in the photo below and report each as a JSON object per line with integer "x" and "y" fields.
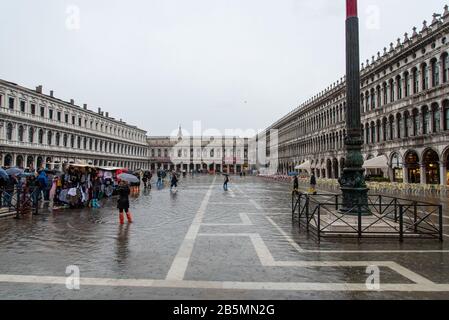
{"x": 38, "y": 131}
{"x": 405, "y": 114}
{"x": 206, "y": 154}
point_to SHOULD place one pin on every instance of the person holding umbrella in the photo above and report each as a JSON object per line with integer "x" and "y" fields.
{"x": 124, "y": 192}
{"x": 123, "y": 202}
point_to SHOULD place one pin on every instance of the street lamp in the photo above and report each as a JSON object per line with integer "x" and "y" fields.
{"x": 352, "y": 181}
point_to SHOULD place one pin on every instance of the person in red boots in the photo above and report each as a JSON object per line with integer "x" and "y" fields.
{"x": 123, "y": 202}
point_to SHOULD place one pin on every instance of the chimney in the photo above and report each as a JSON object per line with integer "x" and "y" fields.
{"x": 99, "y": 110}
{"x": 39, "y": 89}
{"x": 85, "y": 106}
{"x": 51, "y": 93}
{"x": 107, "y": 114}
{"x": 72, "y": 101}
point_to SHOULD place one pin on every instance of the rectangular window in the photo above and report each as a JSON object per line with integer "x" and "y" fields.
{"x": 79, "y": 122}
{"x": 50, "y": 114}
{"x": 66, "y": 118}
{"x": 33, "y": 109}
{"x": 22, "y": 106}
{"x": 73, "y": 120}
{"x": 11, "y": 103}
{"x": 1, "y": 101}
{"x": 42, "y": 114}
{"x": 59, "y": 115}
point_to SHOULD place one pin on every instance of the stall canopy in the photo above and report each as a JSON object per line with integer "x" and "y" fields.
{"x": 305, "y": 166}
{"x": 380, "y": 162}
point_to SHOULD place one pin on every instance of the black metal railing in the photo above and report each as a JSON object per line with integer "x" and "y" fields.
{"x": 19, "y": 201}
{"x": 382, "y": 216}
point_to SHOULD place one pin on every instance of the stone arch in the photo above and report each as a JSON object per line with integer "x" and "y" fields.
{"x": 412, "y": 164}
{"x": 431, "y": 166}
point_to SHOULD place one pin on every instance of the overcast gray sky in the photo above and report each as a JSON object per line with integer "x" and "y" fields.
{"x": 159, "y": 63}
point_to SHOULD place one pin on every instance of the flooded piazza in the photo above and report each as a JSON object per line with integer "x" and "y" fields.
{"x": 204, "y": 243}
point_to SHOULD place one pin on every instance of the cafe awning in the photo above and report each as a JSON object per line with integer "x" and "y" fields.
{"x": 305, "y": 166}
{"x": 380, "y": 162}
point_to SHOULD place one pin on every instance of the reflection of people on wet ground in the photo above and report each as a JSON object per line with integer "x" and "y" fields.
{"x": 159, "y": 179}
{"x": 123, "y": 202}
{"x": 122, "y": 243}
{"x": 174, "y": 181}
{"x": 226, "y": 181}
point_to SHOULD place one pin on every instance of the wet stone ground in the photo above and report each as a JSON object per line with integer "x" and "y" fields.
{"x": 204, "y": 243}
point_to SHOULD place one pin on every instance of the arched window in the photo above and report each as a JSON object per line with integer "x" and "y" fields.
{"x": 415, "y": 79}
{"x": 415, "y": 118}
{"x": 435, "y": 73}
{"x": 373, "y": 99}
{"x": 407, "y": 125}
{"x": 426, "y": 120}
{"x": 65, "y": 140}
{"x": 445, "y": 59}
{"x": 20, "y": 133}
{"x": 391, "y": 128}
{"x": 72, "y": 141}
{"x": 379, "y": 97}
{"x": 399, "y": 125}
{"x": 41, "y": 136}
{"x": 399, "y": 87}
{"x": 9, "y": 131}
{"x": 91, "y": 145}
{"x": 446, "y": 114}
{"x": 391, "y": 90}
{"x": 425, "y": 76}
{"x": 373, "y": 133}
{"x": 407, "y": 84}
{"x": 49, "y": 137}
{"x": 384, "y": 129}
{"x": 385, "y": 91}
{"x": 31, "y": 135}
{"x": 436, "y": 118}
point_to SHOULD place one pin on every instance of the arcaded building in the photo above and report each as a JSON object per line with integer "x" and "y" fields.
{"x": 38, "y": 130}
{"x": 405, "y": 113}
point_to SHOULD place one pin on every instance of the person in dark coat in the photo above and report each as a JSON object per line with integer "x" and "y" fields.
{"x": 295, "y": 184}
{"x": 313, "y": 183}
{"x": 174, "y": 181}
{"x": 226, "y": 181}
{"x": 123, "y": 202}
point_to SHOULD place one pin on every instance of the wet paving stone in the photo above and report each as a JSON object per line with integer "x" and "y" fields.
{"x": 204, "y": 243}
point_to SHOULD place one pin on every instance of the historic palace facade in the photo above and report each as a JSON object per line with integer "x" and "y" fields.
{"x": 38, "y": 130}
{"x": 206, "y": 154}
{"x": 405, "y": 113}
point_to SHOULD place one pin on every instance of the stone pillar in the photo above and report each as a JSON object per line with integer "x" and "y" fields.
{"x": 441, "y": 65}
{"x": 405, "y": 173}
{"x": 423, "y": 173}
{"x": 443, "y": 173}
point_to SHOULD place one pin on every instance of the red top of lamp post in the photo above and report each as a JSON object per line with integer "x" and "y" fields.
{"x": 351, "y": 8}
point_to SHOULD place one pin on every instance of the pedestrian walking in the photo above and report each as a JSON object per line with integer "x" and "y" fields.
{"x": 313, "y": 184}
{"x": 295, "y": 184}
{"x": 226, "y": 181}
{"x": 123, "y": 202}
{"x": 174, "y": 181}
